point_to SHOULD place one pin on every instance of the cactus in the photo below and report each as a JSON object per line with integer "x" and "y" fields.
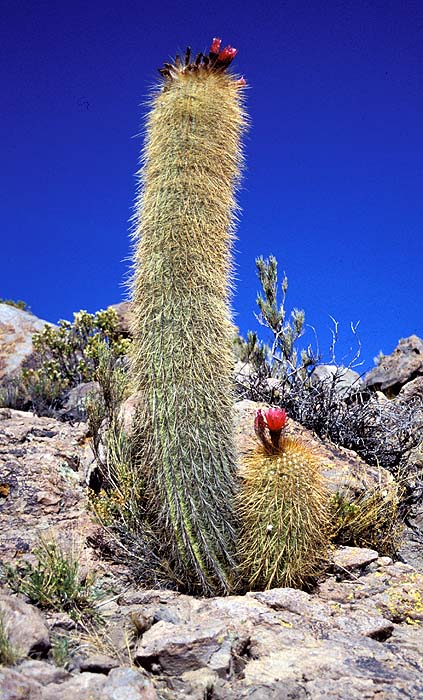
{"x": 283, "y": 507}
{"x": 182, "y": 352}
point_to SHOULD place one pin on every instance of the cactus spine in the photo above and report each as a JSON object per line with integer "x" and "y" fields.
{"x": 182, "y": 354}
{"x": 283, "y": 507}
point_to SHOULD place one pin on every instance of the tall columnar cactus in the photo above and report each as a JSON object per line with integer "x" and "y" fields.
{"x": 283, "y": 507}
{"x": 182, "y": 350}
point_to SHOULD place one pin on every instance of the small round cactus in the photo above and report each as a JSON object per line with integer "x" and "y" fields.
{"x": 283, "y": 507}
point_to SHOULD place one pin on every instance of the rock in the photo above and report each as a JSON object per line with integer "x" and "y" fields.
{"x": 243, "y": 372}
{"x": 411, "y": 549}
{"x": 128, "y": 684}
{"x": 352, "y": 558}
{"x": 16, "y": 330}
{"x": 395, "y": 370}
{"x": 128, "y": 410}
{"x": 25, "y": 628}
{"x": 98, "y": 663}
{"x": 175, "y": 649}
{"x": 361, "y": 623}
{"x": 344, "y": 380}
{"x": 40, "y": 459}
{"x": 123, "y": 311}
{"x": 85, "y": 686}
{"x": 15, "y": 686}
{"x": 348, "y": 637}
{"x": 42, "y": 672}
{"x": 412, "y": 391}
{"x": 201, "y": 683}
{"x": 75, "y": 403}
{"x": 295, "y": 601}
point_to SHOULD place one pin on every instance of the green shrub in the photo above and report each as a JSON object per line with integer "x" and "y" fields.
{"x": 69, "y": 354}
{"x": 19, "y": 304}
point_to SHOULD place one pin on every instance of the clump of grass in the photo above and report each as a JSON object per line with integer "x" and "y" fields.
{"x": 371, "y": 519}
{"x": 54, "y": 582}
{"x": 8, "y": 654}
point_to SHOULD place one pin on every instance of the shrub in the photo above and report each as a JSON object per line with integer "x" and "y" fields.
{"x": 19, "y": 304}
{"x": 68, "y": 355}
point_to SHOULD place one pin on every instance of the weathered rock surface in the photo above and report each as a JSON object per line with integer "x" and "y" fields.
{"x": 120, "y": 684}
{"x": 398, "y": 368}
{"x": 16, "y": 330}
{"x": 362, "y": 632}
{"x": 359, "y": 635}
{"x": 40, "y": 489}
{"x": 347, "y": 380}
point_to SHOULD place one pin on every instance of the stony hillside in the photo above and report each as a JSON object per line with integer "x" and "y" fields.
{"x": 357, "y": 634}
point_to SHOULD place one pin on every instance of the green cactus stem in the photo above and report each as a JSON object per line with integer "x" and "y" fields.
{"x": 182, "y": 352}
{"x": 283, "y": 505}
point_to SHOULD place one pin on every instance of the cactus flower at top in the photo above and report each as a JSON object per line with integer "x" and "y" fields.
{"x": 215, "y": 47}
{"x": 227, "y": 55}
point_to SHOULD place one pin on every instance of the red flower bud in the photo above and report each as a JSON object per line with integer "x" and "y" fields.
{"x": 259, "y": 423}
{"x": 241, "y": 82}
{"x": 276, "y": 419}
{"x": 228, "y": 54}
{"x": 215, "y": 47}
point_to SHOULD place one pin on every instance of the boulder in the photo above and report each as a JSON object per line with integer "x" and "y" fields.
{"x": 398, "y": 368}
{"x": 123, "y": 311}
{"x": 24, "y": 626}
{"x": 412, "y": 391}
{"x": 16, "y": 330}
{"x": 345, "y": 380}
{"x": 75, "y": 403}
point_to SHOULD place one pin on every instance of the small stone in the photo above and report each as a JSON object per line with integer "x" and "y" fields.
{"x": 128, "y": 684}
{"x": 98, "y": 663}
{"x": 141, "y": 622}
{"x": 42, "y": 672}
{"x": 48, "y": 499}
{"x": 353, "y": 558}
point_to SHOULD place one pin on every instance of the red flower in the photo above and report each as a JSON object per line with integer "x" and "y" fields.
{"x": 276, "y": 419}
{"x": 215, "y": 47}
{"x": 228, "y": 54}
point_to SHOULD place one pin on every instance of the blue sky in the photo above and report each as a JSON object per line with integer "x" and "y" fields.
{"x": 334, "y": 178}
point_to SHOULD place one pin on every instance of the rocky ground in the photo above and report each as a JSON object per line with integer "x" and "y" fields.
{"x": 359, "y": 635}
